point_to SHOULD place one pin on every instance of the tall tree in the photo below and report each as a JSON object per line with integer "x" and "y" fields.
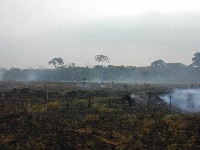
{"x": 196, "y": 60}
{"x": 56, "y": 62}
{"x": 158, "y": 63}
{"x": 101, "y": 58}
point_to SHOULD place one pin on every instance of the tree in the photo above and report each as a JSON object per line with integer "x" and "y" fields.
{"x": 101, "y": 58}
{"x": 72, "y": 65}
{"x": 196, "y": 60}
{"x": 56, "y": 62}
{"x": 158, "y": 63}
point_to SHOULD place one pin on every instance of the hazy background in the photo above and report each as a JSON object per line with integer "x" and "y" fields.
{"x": 129, "y": 32}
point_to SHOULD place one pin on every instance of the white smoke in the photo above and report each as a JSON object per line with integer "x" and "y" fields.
{"x": 31, "y": 77}
{"x": 187, "y": 100}
{"x": 2, "y": 71}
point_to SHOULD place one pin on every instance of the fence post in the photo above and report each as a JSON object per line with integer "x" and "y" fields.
{"x": 22, "y": 105}
{"x": 67, "y": 103}
{"x": 149, "y": 100}
{"x": 170, "y": 104}
{"x": 3, "y": 96}
{"x": 89, "y": 102}
{"x": 45, "y": 87}
{"x": 133, "y": 101}
{"x": 109, "y": 103}
{"x": 47, "y": 96}
{"x": 130, "y": 100}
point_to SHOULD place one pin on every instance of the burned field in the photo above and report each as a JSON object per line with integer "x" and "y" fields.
{"x": 37, "y": 115}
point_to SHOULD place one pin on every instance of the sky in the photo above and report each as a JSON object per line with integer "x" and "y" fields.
{"x": 129, "y": 32}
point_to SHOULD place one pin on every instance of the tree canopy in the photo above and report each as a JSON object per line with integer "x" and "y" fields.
{"x": 101, "y": 58}
{"x": 159, "y": 71}
{"x": 196, "y": 60}
{"x": 56, "y": 62}
{"x": 158, "y": 63}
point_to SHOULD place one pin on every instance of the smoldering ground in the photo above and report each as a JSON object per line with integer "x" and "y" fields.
{"x": 188, "y": 100}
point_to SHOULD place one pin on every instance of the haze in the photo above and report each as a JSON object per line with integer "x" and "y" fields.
{"x": 129, "y": 32}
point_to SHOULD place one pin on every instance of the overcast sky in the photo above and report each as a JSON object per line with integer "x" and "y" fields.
{"x": 129, "y": 32}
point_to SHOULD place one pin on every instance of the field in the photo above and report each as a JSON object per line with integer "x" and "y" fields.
{"x": 38, "y": 115}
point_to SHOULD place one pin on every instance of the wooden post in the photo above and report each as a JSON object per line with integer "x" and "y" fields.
{"x": 149, "y": 99}
{"x": 22, "y": 102}
{"x": 22, "y": 105}
{"x": 109, "y": 103}
{"x": 133, "y": 101}
{"x": 130, "y": 100}
{"x": 89, "y": 102}
{"x": 3, "y": 96}
{"x": 125, "y": 87}
{"x": 47, "y": 96}
{"x": 45, "y": 87}
{"x": 67, "y": 103}
{"x": 170, "y": 104}
{"x": 46, "y": 93}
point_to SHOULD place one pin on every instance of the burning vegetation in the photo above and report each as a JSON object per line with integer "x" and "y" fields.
{"x": 54, "y": 115}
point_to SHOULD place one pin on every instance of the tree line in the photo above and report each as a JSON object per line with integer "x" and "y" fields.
{"x": 158, "y": 71}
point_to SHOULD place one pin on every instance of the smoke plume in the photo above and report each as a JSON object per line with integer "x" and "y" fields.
{"x": 187, "y": 100}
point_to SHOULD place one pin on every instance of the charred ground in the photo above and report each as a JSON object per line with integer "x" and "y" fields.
{"x": 37, "y": 115}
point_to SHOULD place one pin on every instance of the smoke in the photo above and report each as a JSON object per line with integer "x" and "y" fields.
{"x": 31, "y": 77}
{"x": 187, "y": 100}
{"x": 2, "y": 71}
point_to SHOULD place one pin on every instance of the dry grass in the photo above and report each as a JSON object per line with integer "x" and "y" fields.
{"x": 51, "y": 125}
